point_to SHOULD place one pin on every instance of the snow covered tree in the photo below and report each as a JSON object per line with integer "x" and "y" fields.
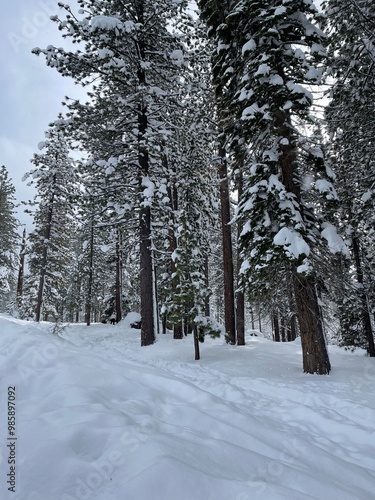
{"x": 21, "y": 271}
{"x": 49, "y": 251}
{"x": 279, "y": 52}
{"x": 9, "y": 238}
{"x": 224, "y": 56}
{"x": 136, "y": 51}
{"x": 351, "y": 127}
{"x": 191, "y": 211}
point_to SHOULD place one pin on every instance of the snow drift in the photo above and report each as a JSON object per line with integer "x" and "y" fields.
{"x": 100, "y": 418}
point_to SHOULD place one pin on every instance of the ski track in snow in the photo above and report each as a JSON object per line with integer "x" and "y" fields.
{"x": 100, "y": 418}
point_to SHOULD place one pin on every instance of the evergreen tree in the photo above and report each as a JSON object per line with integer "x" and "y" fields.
{"x": 192, "y": 213}
{"x": 225, "y": 72}
{"x": 136, "y": 51}
{"x": 277, "y": 48}
{"x": 49, "y": 251}
{"x": 9, "y": 238}
{"x": 351, "y": 127}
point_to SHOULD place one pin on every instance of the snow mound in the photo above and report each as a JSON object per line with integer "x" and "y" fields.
{"x": 100, "y": 418}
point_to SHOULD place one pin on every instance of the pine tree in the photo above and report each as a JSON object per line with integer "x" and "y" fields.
{"x": 192, "y": 213}
{"x": 9, "y": 238}
{"x": 277, "y": 49}
{"x": 137, "y": 53}
{"x": 49, "y": 251}
{"x": 224, "y": 62}
{"x": 351, "y": 128}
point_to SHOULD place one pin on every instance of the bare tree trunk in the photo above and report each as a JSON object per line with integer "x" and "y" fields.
{"x": 275, "y": 321}
{"x": 146, "y": 277}
{"x": 282, "y": 329}
{"x": 146, "y": 280}
{"x": 21, "y": 270}
{"x": 366, "y": 318}
{"x": 288, "y": 331}
{"x": 44, "y": 260}
{"x": 314, "y": 349}
{"x": 292, "y": 313}
{"x": 207, "y": 299}
{"x": 240, "y": 302}
{"x": 229, "y": 310}
{"x": 91, "y": 271}
{"x": 259, "y": 320}
{"x": 196, "y": 343}
{"x": 164, "y": 323}
{"x": 156, "y": 300}
{"x": 173, "y": 196}
{"x": 118, "y": 285}
{"x": 178, "y": 333}
{"x": 293, "y": 328}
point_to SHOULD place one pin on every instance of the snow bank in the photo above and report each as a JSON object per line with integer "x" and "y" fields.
{"x": 100, "y": 418}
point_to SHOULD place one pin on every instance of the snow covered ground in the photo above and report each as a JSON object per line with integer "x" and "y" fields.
{"x": 100, "y": 418}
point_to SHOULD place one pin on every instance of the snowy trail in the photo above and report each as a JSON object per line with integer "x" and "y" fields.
{"x": 110, "y": 420}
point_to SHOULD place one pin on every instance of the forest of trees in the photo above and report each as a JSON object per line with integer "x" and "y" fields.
{"x": 220, "y": 170}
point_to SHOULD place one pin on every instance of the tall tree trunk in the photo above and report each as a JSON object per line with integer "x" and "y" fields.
{"x": 292, "y": 312}
{"x": 178, "y": 332}
{"x": 196, "y": 343}
{"x": 229, "y": 311}
{"x": 146, "y": 275}
{"x": 314, "y": 349}
{"x": 164, "y": 323}
{"x": 282, "y": 329}
{"x": 240, "y": 302}
{"x": 118, "y": 285}
{"x": 276, "y": 329}
{"x": 156, "y": 300}
{"x": 91, "y": 271}
{"x": 44, "y": 260}
{"x": 146, "y": 279}
{"x": 207, "y": 298}
{"x": 366, "y": 318}
{"x": 289, "y": 331}
{"x": 173, "y": 196}
{"x": 21, "y": 270}
{"x": 293, "y": 328}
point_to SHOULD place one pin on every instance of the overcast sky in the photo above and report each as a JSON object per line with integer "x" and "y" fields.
{"x": 30, "y": 92}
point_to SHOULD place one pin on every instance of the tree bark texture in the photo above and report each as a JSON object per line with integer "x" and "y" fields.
{"x": 173, "y": 196}
{"x": 21, "y": 270}
{"x": 229, "y": 310}
{"x": 314, "y": 349}
{"x": 118, "y": 287}
{"x": 366, "y": 318}
{"x": 240, "y": 297}
{"x": 196, "y": 343}
{"x": 276, "y": 328}
{"x": 91, "y": 272}
{"x": 146, "y": 271}
{"x": 43, "y": 270}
